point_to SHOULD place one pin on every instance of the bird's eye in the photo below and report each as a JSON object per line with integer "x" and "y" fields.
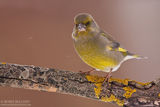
{"x": 87, "y": 23}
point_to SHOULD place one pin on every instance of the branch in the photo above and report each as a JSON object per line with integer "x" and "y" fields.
{"x": 127, "y": 93}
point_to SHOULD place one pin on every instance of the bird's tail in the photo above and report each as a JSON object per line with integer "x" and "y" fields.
{"x": 137, "y": 56}
{"x": 140, "y": 57}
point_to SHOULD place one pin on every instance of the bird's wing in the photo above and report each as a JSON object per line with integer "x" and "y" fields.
{"x": 112, "y": 44}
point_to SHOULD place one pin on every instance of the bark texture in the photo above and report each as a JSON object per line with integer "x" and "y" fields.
{"x": 127, "y": 93}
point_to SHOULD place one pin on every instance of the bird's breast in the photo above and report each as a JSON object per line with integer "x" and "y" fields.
{"x": 94, "y": 54}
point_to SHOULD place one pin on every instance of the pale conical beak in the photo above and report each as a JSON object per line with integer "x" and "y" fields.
{"x": 81, "y": 27}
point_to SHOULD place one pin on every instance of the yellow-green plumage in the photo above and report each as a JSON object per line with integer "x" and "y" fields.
{"x": 93, "y": 54}
{"x": 95, "y": 47}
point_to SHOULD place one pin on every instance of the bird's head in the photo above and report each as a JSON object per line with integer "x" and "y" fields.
{"x": 84, "y": 24}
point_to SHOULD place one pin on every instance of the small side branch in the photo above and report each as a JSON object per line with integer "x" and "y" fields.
{"x": 128, "y": 93}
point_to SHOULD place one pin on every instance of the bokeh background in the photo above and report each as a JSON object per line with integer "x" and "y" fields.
{"x": 38, "y": 32}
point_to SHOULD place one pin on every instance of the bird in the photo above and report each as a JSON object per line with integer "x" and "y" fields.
{"x": 96, "y": 47}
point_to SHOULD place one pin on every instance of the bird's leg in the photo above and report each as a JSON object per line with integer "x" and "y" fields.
{"x": 87, "y": 72}
{"x": 108, "y": 77}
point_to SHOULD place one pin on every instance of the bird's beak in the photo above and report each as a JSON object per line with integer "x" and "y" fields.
{"x": 81, "y": 27}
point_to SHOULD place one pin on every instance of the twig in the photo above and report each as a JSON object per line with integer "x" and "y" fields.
{"x": 127, "y": 93}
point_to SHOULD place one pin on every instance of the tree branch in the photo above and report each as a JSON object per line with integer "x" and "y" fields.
{"x": 127, "y": 93}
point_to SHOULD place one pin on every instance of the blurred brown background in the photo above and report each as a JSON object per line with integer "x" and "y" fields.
{"x": 38, "y": 32}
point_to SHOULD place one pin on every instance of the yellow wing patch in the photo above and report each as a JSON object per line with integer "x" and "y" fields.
{"x": 116, "y": 49}
{"x": 122, "y": 50}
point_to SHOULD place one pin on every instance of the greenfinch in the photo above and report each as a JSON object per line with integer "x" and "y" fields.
{"x": 96, "y": 47}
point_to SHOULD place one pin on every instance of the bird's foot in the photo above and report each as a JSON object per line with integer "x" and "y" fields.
{"x": 108, "y": 76}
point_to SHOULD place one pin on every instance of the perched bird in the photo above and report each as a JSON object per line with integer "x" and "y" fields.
{"x": 97, "y": 48}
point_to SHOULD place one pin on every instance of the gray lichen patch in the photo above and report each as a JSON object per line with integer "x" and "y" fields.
{"x": 24, "y": 74}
